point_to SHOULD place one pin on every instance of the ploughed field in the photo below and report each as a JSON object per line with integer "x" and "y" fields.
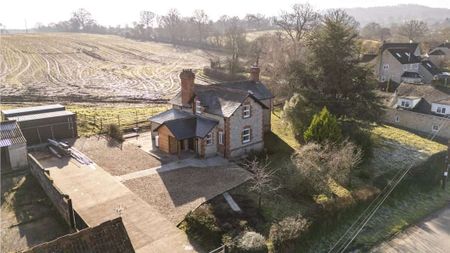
{"x": 72, "y": 66}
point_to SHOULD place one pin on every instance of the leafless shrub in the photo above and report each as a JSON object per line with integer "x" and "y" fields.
{"x": 262, "y": 181}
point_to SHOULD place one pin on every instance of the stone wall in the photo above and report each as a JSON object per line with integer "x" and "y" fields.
{"x": 237, "y": 124}
{"x": 18, "y": 156}
{"x": 418, "y": 122}
{"x": 60, "y": 201}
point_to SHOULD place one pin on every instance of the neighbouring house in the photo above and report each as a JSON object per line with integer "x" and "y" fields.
{"x": 402, "y": 62}
{"x": 421, "y": 108}
{"x": 13, "y": 146}
{"x": 440, "y": 54}
{"x": 40, "y": 123}
{"x": 227, "y": 119}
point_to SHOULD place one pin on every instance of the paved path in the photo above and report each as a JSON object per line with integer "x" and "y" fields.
{"x": 190, "y": 162}
{"x": 432, "y": 235}
{"x": 97, "y": 196}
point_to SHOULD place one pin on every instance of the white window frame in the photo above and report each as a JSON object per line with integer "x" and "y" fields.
{"x": 198, "y": 107}
{"x": 397, "y": 119}
{"x": 438, "y": 110}
{"x": 209, "y": 139}
{"x": 405, "y": 67}
{"x": 435, "y": 128}
{"x": 220, "y": 137}
{"x": 246, "y": 137}
{"x": 246, "y": 111}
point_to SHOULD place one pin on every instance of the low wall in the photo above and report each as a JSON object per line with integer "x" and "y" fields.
{"x": 418, "y": 122}
{"x": 60, "y": 201}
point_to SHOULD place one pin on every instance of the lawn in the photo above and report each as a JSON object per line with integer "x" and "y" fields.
{"x": 394, "y": 149}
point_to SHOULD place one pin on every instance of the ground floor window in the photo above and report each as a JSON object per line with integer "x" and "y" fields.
{"x": 435, "y": 128}
{"x": 397, "y": 119}
{"x": 209, "y": 139}
{"x": 246, "y": 135}
{"x": 220, "y": 137}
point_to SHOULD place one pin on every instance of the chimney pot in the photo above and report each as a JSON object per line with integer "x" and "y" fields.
{"x": 187, "y": 78}
{"x": 254, "y": 73}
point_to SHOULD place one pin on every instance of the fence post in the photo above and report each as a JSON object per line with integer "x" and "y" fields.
{"x": 118, "y": 119}
{"x": 101, "y": 125}
{"x": 136, "y": 118}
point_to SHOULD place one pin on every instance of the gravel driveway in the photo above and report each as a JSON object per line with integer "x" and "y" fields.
{"x": 175, "y": 193}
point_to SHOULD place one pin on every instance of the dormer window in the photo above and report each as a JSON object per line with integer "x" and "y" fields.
{"x": 198, "y": 107}
{"x": 405, "y": 104}
{"x": 246, "y": 111}
{"x": 441, "y": 110}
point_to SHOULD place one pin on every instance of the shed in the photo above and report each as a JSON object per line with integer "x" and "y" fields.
{"x": 32, "y": 110}
{"x": 38, "y": 128}
{"x": 13, "y": 146}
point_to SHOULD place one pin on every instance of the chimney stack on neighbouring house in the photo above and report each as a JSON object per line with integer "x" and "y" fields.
{"x": 254, "y": 73}
{"x": 187, "y": 78}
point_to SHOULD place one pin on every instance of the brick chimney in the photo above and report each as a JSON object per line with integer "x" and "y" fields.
{"x": 187, "y": 78}
{"x": 254, "y": 73}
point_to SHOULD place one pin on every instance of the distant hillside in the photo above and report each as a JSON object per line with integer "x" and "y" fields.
{"x": 399, "y": 13}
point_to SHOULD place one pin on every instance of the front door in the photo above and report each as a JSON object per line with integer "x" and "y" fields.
{"x": 191, "y": 144}
{"x": 173, "y": 145}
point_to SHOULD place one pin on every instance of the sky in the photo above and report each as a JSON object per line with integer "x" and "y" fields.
{"x": 15, "y": 14}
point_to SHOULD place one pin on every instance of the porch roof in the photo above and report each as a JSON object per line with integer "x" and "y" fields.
{"x": 194, "y": 126}
{"x": 171, "y": 114}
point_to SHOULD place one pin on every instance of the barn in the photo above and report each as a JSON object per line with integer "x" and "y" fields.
{"x": 13, "y": 146}
{"x": 40, "y": 123}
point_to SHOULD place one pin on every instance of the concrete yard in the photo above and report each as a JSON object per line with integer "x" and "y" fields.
{"x": 98, "y": 196}
{"x": 26, "y": 212}
{"x": 115, "y": 158}
{"x": 177, "y": 192}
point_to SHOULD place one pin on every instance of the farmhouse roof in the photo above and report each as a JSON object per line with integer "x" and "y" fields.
{"x": 32, "y": 110}
{"x": 10, "y": 134}
{"x": 367, "y": 58}
{"x": 445, "y": 101}
{"x": 404, "y": 55}
{"x": 110, "y": 236}
{"x": 194, "y": 126}
{"x": 445, "y": 44}
{"x": 431, "y": 67}
{"x": 218, "y": 99}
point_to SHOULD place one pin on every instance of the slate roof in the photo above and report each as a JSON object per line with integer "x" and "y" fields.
{"x": 445, "y": 101}
{"x": 39, "y": 116}
{"x": 445, "y": 44}
{"x": 410, "y": 46}
{"x": 411, "y": 74}
{"x": 33, "y": 110}
{"x": 428, "y": 93}
{"x": 224, "y": 99}
{"x": 195, "y": 126}
{"x": 437, "y": 52}
{"x": 10, "y": 134}
{"x": 110, "y": 236}
{"x": 258, "y": 89}
{"x": 170, "y": 115}
{"x": 431, "y": 67}
{"x": 404, "y": 55}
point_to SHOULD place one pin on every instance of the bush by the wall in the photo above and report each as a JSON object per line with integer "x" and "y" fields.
{"x": 284, "y": 233}
{"x": 115, "y": 132}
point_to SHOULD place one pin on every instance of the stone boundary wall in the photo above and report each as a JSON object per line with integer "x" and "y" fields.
{"x": 60, "y": 201}
{"x": 418, "y": 122}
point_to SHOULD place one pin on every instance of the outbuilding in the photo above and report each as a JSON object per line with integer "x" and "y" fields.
{"x": 38, "y": 124}
{"x": 13, "y": 146}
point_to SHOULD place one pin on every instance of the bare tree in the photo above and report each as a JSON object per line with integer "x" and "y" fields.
{"x": 146, "y": 19}
{"x": 413, "y": 29}
{"x": 171, "y": 23}
{"x": 201, "y": 20}
{"x": 235, "y": 42}
{"x": 262, "y": 181}
{"x": 82, "y": 19}
{"x": 317, "y": 164}
{"x": 299, "y": 21}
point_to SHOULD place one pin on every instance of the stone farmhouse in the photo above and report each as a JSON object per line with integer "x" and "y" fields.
{"x": 420, "y": 108}
{"x": 402, "y": 62}
{"x": 227, "y": 119}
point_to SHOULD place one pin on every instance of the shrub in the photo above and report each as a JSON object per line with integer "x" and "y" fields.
{"x": 202, "y": 224}
{"x": 287, "y": 231}
{"x": 359, "y": 136}
{"x": 115, "y": 132}
{"x": 250, "y": 242}
{"x": 324, "y": 127}
{"x": 298, "y": 111}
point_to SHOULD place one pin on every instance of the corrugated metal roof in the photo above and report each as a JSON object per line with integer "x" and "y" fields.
{"x": 10, "y": 134}
{"x": 41, "y": 116}
{"x": 33, "y": 110}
